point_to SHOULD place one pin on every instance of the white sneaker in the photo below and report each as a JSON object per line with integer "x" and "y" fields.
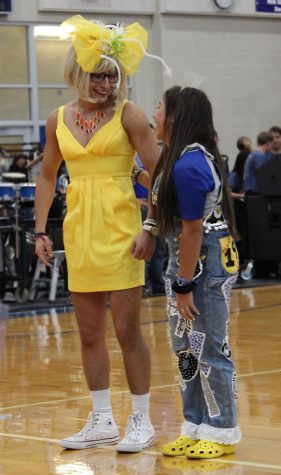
{"x": 139, "y": 434}
{"x": 100, "y": 429}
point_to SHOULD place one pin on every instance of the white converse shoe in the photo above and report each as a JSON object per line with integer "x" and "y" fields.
{"x": 100, "y": 429}
{"x": 139, "y": 434}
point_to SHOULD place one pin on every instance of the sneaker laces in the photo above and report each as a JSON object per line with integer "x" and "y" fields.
{"x": 92, "y": 421}
{"x": 134, "y": 426}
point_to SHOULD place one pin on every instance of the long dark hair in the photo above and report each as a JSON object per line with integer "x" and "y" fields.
{"x": 189, "y": 112}
{"x": 239, "y": 164}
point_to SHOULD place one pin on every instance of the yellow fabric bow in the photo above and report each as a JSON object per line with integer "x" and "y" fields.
{"x": 92, "y": 40}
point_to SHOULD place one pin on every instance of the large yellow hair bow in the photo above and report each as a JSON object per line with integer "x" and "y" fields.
{"x": 93, "y": 40}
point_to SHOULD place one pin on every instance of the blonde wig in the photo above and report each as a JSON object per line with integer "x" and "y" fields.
{"x": 79, "y": 80}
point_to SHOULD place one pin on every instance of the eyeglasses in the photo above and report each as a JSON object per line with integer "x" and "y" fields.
{"x": 100, "y": 77}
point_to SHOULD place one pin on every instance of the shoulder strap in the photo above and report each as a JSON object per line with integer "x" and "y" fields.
{"x": 60, "y": 115}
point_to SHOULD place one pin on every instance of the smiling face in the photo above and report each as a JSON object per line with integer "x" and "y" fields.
{"x": 102, "y": 84}
{"x": 159, "y": 117}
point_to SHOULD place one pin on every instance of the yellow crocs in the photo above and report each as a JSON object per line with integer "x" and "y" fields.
{"x": 178, "y": 446}
{"x": 204, "y": 449}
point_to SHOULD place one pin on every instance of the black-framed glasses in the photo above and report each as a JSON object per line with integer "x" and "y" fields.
{"x": 100, "y": 77}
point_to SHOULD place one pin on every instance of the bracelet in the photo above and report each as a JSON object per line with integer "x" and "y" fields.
{"x": 135, "y": 175}
{"x": 150, "y": 222}
{"x": 150, "y": 225}
{"x": 40, "y": 235}
{"x": 153, "y": 230}
{"x": 183, "y": 286}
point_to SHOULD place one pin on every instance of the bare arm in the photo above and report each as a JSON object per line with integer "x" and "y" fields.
{"x": 237, "y": 196}
{"x": 141, "y": 136}
{"x": 190, "y": 245}
{"x": 143, "y": 177}
{"x": 45, "y": 186}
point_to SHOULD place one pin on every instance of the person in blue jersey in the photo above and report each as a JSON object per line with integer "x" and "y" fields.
{"x": 193, "y": 210}
{"x": 255, "y": 160}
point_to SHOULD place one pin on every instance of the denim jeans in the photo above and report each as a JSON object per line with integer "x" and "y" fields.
{"x": 206, "y": 370}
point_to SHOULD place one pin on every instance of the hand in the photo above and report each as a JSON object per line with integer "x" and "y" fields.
{"x": 143, "y": 246}
{"x": 186, "y": 307}
{"x": 43, "y": 250}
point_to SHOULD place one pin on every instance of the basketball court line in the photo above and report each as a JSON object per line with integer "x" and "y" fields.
{"x": 150, "y": 452}
{"x": 20, "y": 406}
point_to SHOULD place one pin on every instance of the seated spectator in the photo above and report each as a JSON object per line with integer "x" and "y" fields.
{"x": 255, "y": 160}
{"x": 19, "y": 165}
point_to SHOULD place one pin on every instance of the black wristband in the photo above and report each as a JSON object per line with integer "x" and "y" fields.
{"x": 183, "y": 289}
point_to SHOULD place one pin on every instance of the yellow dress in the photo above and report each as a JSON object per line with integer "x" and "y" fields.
{"x": 103, "y": 215}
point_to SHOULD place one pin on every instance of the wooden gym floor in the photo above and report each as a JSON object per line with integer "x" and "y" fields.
{"x": 43, "y": 395}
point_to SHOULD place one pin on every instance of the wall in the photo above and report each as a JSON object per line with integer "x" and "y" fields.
{"x": 236, "y": 52}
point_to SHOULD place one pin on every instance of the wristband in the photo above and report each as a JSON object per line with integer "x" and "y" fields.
{"x": 183, "y": 286}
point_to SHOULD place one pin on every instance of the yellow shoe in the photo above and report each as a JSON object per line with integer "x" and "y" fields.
{"x": 178, "y": 446}
{"x": 204, "y": 449}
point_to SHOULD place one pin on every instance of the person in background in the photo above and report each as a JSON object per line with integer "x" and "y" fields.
{"x": 275, "y": 140}
{"x": 97, "y": 134}
{"x": 236, "y": 184}
{"x": 254, "y": 161}
{"x": 244, "y": 144}
{"x": 268, "y": 147}
{"x": 19, "y": 165}
{"x": 194, "y": 210}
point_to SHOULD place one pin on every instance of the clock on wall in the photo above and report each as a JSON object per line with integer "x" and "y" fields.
{"x": 224, "y": 4}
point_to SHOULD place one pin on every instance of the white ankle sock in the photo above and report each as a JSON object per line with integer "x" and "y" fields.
{"x": 101, "y": 400}
{"x": 140, "y": 403}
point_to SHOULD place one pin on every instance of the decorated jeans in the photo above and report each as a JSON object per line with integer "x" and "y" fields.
{"x": 206, "y": 370}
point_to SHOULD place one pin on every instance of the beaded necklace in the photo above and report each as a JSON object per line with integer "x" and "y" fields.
{"x": 89, "y": 125}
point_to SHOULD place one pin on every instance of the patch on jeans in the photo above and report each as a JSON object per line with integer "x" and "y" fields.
{"x": 183, "y": 324}
{"x": 188, "y": 365}
{"x": 196, "y": 340}
{"x": 172, "y": 310}
{"x": 178, "y": 258}
{"x": 226, "y": 349}
{"x": 205, "y": 368}
{"x": 180, "y": 327}
{"x": 225, "y": 346}
{"x": 229, "y": 255}
{"x": 168, "y": 288}
{"x": 234, "y": 385}
{"x": 226, "y": 289}
{"x": 199, "y": 268}
{"x": 188, "y": 326}
{"x": 213, "y": 408}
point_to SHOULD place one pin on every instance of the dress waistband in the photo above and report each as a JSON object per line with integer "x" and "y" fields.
{"x": 100, "y": 176}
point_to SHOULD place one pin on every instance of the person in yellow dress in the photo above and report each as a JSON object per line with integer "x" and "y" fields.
{"x": 97, "y": 135}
